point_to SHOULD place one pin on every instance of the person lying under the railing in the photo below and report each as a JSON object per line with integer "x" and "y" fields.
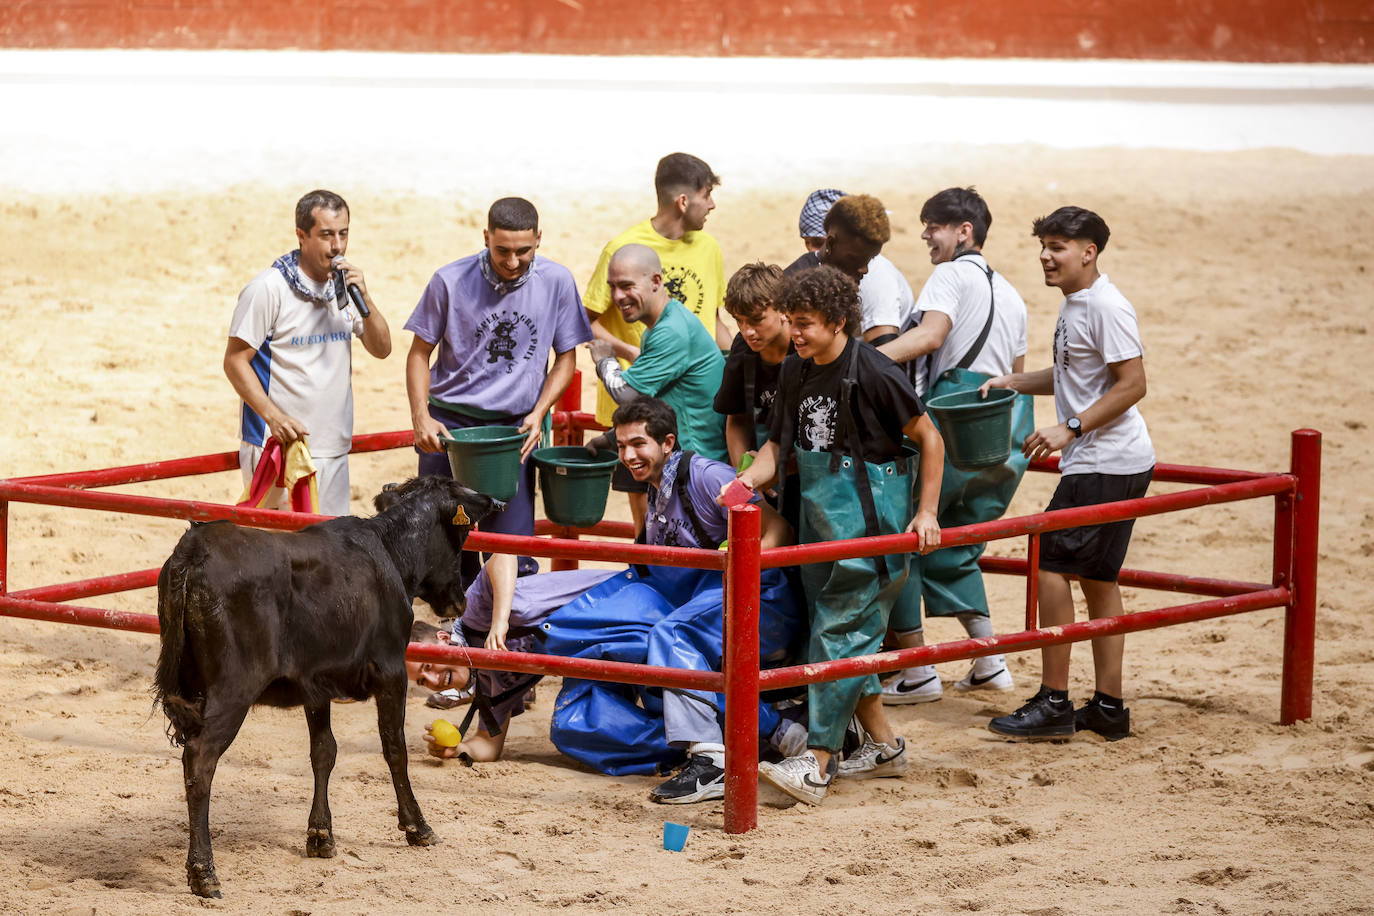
{"x": 843, "y": 409}
{"x": 499, "y": 695}
{"x": 1097, "y": 378}
{"x": 668, "y": 616}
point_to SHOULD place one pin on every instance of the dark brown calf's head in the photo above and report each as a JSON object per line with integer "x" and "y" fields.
{"x": 457, "y": 509}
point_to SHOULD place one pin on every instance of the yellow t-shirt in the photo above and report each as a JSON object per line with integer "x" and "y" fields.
{"x": 693, "y": 272}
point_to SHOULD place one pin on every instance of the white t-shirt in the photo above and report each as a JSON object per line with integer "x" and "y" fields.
{"x": 885, "y": 297}
{"x": 1096, "y": 327}
{"x": 304, "y": 360}
{"x": 960, "y": 290}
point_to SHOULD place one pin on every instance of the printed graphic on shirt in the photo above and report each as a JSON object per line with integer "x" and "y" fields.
{"x": 764, "y": 399}
{"x": 1061, "y": 344}
{"x": 509, "y": 336}
{"x": 817, "y": 432}
{"x": 684, "y": 284}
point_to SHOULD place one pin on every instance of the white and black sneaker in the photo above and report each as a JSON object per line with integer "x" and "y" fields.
{"x": 800, "y": 777}
{"x": 875, "y": 760}
{"x": 916, "y": 685}
{"x": 700, "y": 780}
{"x": 987, "y": 674}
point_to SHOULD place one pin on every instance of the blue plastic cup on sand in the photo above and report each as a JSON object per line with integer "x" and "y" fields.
{"x": 674, "y": 836}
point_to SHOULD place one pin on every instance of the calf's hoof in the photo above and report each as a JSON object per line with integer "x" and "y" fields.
{"x": 203, "y": 881}
{"x": 319, "y": 843}
{"x": 423, "y": 837}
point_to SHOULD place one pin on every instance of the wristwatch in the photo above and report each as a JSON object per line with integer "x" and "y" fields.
{"x": 1075, "y": 426}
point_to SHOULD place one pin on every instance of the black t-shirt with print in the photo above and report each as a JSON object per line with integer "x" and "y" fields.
{"x": 814, "y": 402}
{"x": 730, "y": 398}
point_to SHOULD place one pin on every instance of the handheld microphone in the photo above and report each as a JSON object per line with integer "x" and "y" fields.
{"x": 353, "y": 292}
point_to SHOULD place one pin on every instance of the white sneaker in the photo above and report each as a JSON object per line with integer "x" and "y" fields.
{"x": 916, "y": 685}
{"x": 800, "y": 777}
{"x": 873, "y": 760}
{"x": 987, "y": 674}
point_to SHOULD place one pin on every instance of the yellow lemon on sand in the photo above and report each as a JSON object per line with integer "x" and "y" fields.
{"x": 445, "y": 735}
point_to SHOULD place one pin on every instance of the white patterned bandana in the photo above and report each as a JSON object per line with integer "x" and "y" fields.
{"x": 289, "y": 265}
{"x": 501, "y": 286}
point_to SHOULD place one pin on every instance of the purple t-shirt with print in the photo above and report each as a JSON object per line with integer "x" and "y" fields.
{"x": 493, "y": 350}
{"x": 667, "y": 524}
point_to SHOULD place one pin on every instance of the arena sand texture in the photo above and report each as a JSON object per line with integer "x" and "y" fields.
{"x": 1253, "y": 281}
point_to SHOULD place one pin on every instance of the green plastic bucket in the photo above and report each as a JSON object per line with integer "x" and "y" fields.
{"x": 574, "y": 483}
{"x": 486, "y": 458}
{"x": 977, "y": 430}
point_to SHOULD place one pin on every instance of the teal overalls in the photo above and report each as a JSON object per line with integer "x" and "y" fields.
{"x": 949, "y": 578}
{"x": 851, "y": 600}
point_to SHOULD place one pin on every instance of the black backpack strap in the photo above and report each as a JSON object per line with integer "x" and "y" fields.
{"x": 684, "y": 476}
{"x": 977, "y": 347}
{"x": 848, "y": 398}
{"x": 482, "y": 705}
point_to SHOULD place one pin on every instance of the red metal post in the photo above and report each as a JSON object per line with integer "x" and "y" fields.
{"x": 741, "y": 668}
{"x": 1300, "y": 623}
{"x": 1032, "y": 580}
{"x": 4, "y": 546}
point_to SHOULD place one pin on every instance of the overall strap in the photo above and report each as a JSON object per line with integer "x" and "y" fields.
{"x": 849, "y": 397}
{"x": 788, "y": 442}
{"x": 977, "y": 347}
{"x": 750, "y": 382}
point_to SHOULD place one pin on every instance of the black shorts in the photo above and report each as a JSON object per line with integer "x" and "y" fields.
{"x": 622, "y": 481}
{"x": 1091, "y": 551}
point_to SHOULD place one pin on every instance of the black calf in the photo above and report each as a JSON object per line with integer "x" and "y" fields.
{"x": 297, "y": 619}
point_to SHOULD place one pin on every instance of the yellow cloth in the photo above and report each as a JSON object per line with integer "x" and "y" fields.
{"x": 693, "y": 272}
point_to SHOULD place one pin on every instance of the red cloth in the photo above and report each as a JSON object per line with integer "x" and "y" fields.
{"x": 291, "y": 470}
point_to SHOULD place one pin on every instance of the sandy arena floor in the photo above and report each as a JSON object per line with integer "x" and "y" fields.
{"x": 1254, "y": 291}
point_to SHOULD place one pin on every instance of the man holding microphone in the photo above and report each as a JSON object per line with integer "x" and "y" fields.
{"x": 290, "y": 354}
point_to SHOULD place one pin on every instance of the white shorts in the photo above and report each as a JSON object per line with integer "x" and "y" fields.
{"x": 331, "y": 478}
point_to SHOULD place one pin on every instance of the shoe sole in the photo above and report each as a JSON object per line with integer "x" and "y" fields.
{"x": 708, "y": 793}
{"x": 964, "y": 687}
{"x": 909, "y": 699}
{"x": 1058, "y": 734}
{"x": 879, "y": 772}
{"x": 800, "y": 794}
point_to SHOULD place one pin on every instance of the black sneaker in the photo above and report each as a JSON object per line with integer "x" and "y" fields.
{"x": 1112, "y": 724}
{"x": 700, "y": 780}
{"x": 1038, "y": 719}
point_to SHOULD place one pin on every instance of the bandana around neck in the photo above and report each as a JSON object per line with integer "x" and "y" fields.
{"x": 502, "y": 287}
{"x": 289, "y": 265}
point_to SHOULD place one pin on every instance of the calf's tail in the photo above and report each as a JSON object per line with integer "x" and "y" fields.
{"x": 185, "y": 715}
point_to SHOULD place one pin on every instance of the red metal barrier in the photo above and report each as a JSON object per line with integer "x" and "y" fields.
{"x": 741, "y": 667}
{"x": 1293, "y": 585}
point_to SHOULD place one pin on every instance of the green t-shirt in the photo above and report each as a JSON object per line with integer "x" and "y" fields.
{"x": 680, "y": 363}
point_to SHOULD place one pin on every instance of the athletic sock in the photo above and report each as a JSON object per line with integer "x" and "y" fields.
{"x": 1107, "y": 701}
{"x": 977, "y": 626}
{"x": 716, "y": 752}
{"x": 1058, "y": 696}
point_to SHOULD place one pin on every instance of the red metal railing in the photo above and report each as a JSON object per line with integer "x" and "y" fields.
{"x": 1293, "y": 584}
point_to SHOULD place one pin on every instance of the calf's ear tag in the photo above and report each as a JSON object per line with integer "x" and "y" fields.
{"x": 461, "y": 518}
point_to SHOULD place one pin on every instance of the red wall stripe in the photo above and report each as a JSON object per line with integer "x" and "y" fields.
{"x": 1335, "y": 31}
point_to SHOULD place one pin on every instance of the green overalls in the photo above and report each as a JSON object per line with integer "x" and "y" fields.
{"x": 949, "y": 578}
{"x": 850, "y": 600}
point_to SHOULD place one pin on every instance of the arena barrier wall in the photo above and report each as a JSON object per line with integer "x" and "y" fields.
{"x": 1293, "y": 585}
{"x": 1260, "y": 31}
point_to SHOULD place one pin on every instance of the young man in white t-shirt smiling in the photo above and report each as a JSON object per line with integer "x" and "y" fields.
{"x": 1097, "y": 378}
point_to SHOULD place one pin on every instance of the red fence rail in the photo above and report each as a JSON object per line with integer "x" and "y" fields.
{"x": 1293, "y": 587}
